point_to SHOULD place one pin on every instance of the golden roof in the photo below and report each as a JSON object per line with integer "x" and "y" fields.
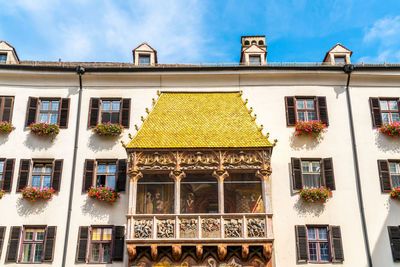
{"x": 199, "y": 120}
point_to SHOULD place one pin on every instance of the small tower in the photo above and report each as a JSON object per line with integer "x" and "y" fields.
{"x": 8, "y": 55}
{"x": 338, "y": 55}
{"x": 144, "y": 55}
{"x": 254, "y": 50}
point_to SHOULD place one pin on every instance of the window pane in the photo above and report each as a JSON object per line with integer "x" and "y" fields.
{"x": 39, "y": 234}
{"x": 144, "y": 59}
{"x": 115, "y": 105}
{"x": 53, "y": 118}
{"x": 393, "y": 105}
{"x": 322, "y": 234}
{"x": 107, "y": 233}
{"x": 115, "y": 117}
{"x": 255, "y": 60}
{"x": 312, "y": 250}
{"x": 46, "y": 181}
{"x": 385, "y": 118}
{"x": 395, "y": 181}
{"x": 96, "y": 234}
{"x": 311, "y": 116}
{"x": 55, "y": 105}
{"x": 106, "y": 105}
{"x": 395, "y": 117}
{"x": 38, "y": 253}
{"x": 300, "y": 103}
{"x": 101, "y": 168}
{"x": 1, "y": 166}
{"x": 112, "y": 168}
{"x": 324, "y": 251}
{"x": 36, "y": 180}
{"x": 301, "y": 115}
{"x": 312, "y": 180}
{"x": 106, "y": 252}
{"x": 311, "y": 233}
{"x": 384, "y": 105}
{"x": 48, "y": 168}
{"x": 305, "y": 166}
{"x": 45, "y": 105}
{"x": 339, "y": 60}
{"x": 393, "y": 167}
{"x": 101, "y": 180}
{"x": 111, "y": 181}
{"x": 155, "y": 194}
{"x": 316, "y": 166}
{"x": 95, "y": 253}
{"x": 27, "y": 252}
{"x": 44, "y": 117}
{"x": 1, "y": 178}
{"x": 3, "y": 58}
{"x": 28, "y": 234}
{"x": 105, "y": 117}
{"x": 37, "y": 168}
{"x": 310, "y": 104}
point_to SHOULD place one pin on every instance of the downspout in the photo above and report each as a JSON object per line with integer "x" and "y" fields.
{"x": 80, "y": 71}
{"x": 348, "y": 68}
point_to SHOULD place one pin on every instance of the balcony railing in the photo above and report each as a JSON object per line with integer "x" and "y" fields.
{"x": 200, "y": 228}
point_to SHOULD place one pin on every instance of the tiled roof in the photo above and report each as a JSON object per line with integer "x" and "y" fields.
{"x": 199, "y": 120}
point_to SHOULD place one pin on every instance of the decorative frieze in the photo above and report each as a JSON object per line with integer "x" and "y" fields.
{"x": 210, "y": 228}
{"x": 188, "y": 228}
{"x": 165, "y": 228}
{"x": 143, "y": 228}
{"x": 233, "y": 228}
{"x": 255, "y": 227}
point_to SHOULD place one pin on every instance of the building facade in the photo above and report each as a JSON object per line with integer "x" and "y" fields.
{"x": 200, "y": 182}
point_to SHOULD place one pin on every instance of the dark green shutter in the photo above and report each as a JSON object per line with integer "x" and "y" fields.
{"x": 394, "y": 236}
{"x": 64, "y": 113}
{"x": 119, "y": 237}
{"x": 291, "y": 117}
{"x": 57, "y": 172}
{"x": 24, "y": 167}
{"x": 322, "y": 110}
{"x": 94, "y": 110}
{"x": 121, "y": 180}
{"x": 88, "y": 175}
{"x": 328, "y": 173}
{"x": 125, "y": 112}
{"x": 13, "y": 244}
{"x": 375, "y": 112}
{"x": 32, "y": 109}
{"x": 384, "y": 175}
{"x": 8, "y": 174}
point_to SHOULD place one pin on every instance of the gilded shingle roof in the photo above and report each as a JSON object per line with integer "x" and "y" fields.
{"x": 199, "y": 120}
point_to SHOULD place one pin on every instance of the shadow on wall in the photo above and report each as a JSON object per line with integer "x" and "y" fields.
{"x": 99, "y": 143}
{"x": 96, "y": 209}
{"x": 35, "y": 142}
{"x": 26, "y": 208}
{"x": 339, "y": 90}
{"x": 305, "y": 209}
{"x": 386, "y": 143}
{"x": 304, "y": 142}
{"x": 4, "y": 138}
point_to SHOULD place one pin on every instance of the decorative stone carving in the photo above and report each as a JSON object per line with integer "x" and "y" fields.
{"x": 143, "y": 228}
{"x": 188, "y": 228}
{"x": 131, "y": 252}
{"x": 245, "y": 251}
{"x": 255, "y": 227}
{"x": 154, "y": 252}
{"x": 165, "y": 228}
{"x": 222, "y": 251}
{"x": 210, "y": 228}
{"x": 176, "y": 252}
{"x": 233, "y": 228}
{"x": 267, "y": 251}
{"x": 199, "y": 252}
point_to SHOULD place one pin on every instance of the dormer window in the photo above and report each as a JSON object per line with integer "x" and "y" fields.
{"x": 3, "y": 58}
{"x": 255, "y": 60}
{"x": 340, "y": 60}
{"x": 144, "y": 60}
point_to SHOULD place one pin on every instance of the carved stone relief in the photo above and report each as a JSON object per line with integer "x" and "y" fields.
{"x": 255, "y": 227}
{"x": 233, "y": 228}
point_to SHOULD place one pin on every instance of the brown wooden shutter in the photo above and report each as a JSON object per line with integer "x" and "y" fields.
{"x": 57, "y": 173}
{"x": 296, "y": 174}
{"x": 394, "y": 236}
{"x": 48, "y": 251}
{"x": 323, "y": 110}
{"x": 119, "y": 238}
{"x": 7, "y": 108}
{"x": 64, "y": 113}
{"x": 301, "y": 243}
{"x": 375, "y": 111}
{"x": 291, "y": 117}
{"x": 125, "y": 112}
{"x": 121, "y": 180}
{"x": 384, "y": 175}
{"x": 94, "y": 110}
{"x": 13, "y": 244}
{"x": 336, "y": 243}
{"x": 81, "y": 247}
{"x": 32, "y": 109}
{"x": 8, "y": 174}
{"x": 88, "y": 175}
{"x": 328, "y": 173}
{"x": 24, "y": 167}
{"x": 2, "y": 233}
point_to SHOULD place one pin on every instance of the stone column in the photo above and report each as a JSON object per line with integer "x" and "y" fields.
{"x": 177, "y": 176}
{"x": 133, "y": 179}
{"x": 220, "y": 176}
{"x": 264, "y": 175}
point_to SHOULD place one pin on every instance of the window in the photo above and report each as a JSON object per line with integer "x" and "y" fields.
{"x": 41, "y": 175}
{"x": 311, "y": 173}
{"x": 305, "y": 109}
{"x": 260, "y": 42}
{"x": 1, "y": 173}
{"x": 49, "y": 110}
{"x": 6, "y": 107}
{"x": 199, "y": 194}
{"x": 389, "y": 111}
{"x": 253, "y": 42}
{"x": 100, "y": 245}
{"x": 3, "y": 58}
{"x": 242, "y": 193}
{"x": 106, "y": 173}
{"x": 32, "y": 245}
{"x": 110, "y": 110}
{"x": 155, "y": 194}
{"x": 318, "y": 245}
{"x": 340, "y": 60}
{"x": 395, "y": 174}
{"x": 246, "y": 42}
{"x": 144, "y": 60}
{"x": 254, "y": 60}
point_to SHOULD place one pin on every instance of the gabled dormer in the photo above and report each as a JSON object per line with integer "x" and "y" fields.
{"x": 144, "y": 55}
{"x": 254, "y": 50}
{"x": 8, "y": 55}
{"x": 338, "y": 55}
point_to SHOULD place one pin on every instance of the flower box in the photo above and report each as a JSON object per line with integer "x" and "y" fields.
{"x": 108, "y": 129}
{"x": 44, "y": 129}
{"x": 312, "y": 128}
{"x": 315, "y": 194}
{"x": 6, "y": 127}
{"x": 102, "y": 193}
{"x": 2, "y": 193}
{"x": 395, "y": 193}
{"x": 33, "y": 193}
{"x": 391, "y": 129}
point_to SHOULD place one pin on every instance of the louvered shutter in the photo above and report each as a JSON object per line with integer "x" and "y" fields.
{"x": 88, "y": 175}
{"x": 119, "y": 237}
{"x": 301, "y": 243}
{"x": 121, "y": 180}
{"x": 49, "y": 244}
{"x": 384, "y": 175}
{"x": 296, "y": 174}
{"x": 7, "y": 108}
{"x": 394, "y": 236}
{"x": 94, "y": 111}
{"x": 291, "y": 117}
{"x": 336, "y": 243}
{"x": 24, "y": 167}
{"x": 82, "y": 244}
{"x": 57, "y": 173}
{"x": 64, "y": 113}
{"x": 2, "y": 234}
{"x": 328, "y": 173}
{"x": 13, "y": 244}
{"x": 125, "y": 112}
{"x": 375, "y": 111}
{"x": 32, "y": 109}
{"x": 323, "y": 110}
{"x": 8, "y": 174}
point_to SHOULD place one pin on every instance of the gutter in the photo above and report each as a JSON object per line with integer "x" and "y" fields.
{"x": 348, "y": 69}
{"x": 79, "y": 71}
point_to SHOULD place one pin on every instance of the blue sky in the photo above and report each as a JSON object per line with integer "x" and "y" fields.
{"x": 202, "y": 31}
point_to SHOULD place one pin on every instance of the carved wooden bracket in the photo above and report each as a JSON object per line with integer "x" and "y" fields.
{"x": 135, "y": 176}
{"x": 176, "y": 252}
{"x": 154, "y": 252}
{"x": 267, "y": 251}
{"x": 222, "y": 251}
{"x": 199, "y": 252}
{"x": 177, "y": 175}
{"x": 220, "y": 175}
{"x": 245, "y": 251}
{"x": 131, "y": 252}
